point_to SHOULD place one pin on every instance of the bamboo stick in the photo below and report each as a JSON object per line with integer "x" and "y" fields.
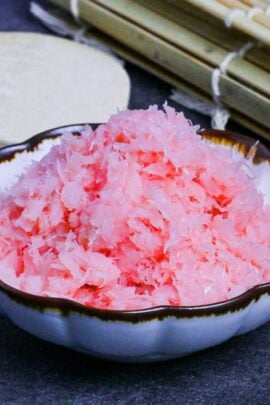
{"x": 163, "y": 74}
{"x": 235, "y": 4}
{"x": 256, "y": 3}
{"x": 188, "y": 41}
{"x": 260, "y": 54}
{"x": 188, "y": 68}
{"x": 218, "y": 10}
{"x": 197, "y": 12}
{"x": 218, "y": 35}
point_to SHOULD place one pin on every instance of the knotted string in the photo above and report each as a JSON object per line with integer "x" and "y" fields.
{"x": 215, "y": 109}
{"x": 61, "y": 27}
{"x": 221, "y": 114}
{"x": 250, "y": 14}
{"x": 74, "y": 9}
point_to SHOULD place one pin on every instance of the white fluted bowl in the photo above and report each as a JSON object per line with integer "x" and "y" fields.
{"x": 153, "y": 334}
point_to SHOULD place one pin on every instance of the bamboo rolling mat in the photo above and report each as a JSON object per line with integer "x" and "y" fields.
{"x": 183, "y": 44}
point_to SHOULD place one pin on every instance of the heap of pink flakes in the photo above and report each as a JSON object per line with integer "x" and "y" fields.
{"x": 139, "y": 213}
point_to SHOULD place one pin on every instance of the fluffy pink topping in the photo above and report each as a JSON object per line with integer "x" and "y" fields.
{"x": 142, "y": 212}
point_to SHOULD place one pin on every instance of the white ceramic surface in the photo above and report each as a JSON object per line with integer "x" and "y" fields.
{"x": 135, "y": 336}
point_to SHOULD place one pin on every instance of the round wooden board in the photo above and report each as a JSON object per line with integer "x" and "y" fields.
{"x": 46, "y": 82}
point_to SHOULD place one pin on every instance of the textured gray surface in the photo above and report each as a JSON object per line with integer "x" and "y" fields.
{"x": 32, "y": 371}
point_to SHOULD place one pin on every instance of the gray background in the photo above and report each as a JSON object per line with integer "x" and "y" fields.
{"x": 33, "y": 371}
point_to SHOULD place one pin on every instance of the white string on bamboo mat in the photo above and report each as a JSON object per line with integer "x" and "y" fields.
{"x": 193, "y": 103}
{"x": 229, "y": 17}
{"x": 209, "y": 109}
{"x": 267, "y": 10}
{"x": 61, "y": 27}
{"x": 74, "y": 9}
{"x": 216, "y": 110}
{"x": 220, "y": 117}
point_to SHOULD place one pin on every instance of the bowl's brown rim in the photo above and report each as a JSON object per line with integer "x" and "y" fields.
{"x": 66, "y": 306}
